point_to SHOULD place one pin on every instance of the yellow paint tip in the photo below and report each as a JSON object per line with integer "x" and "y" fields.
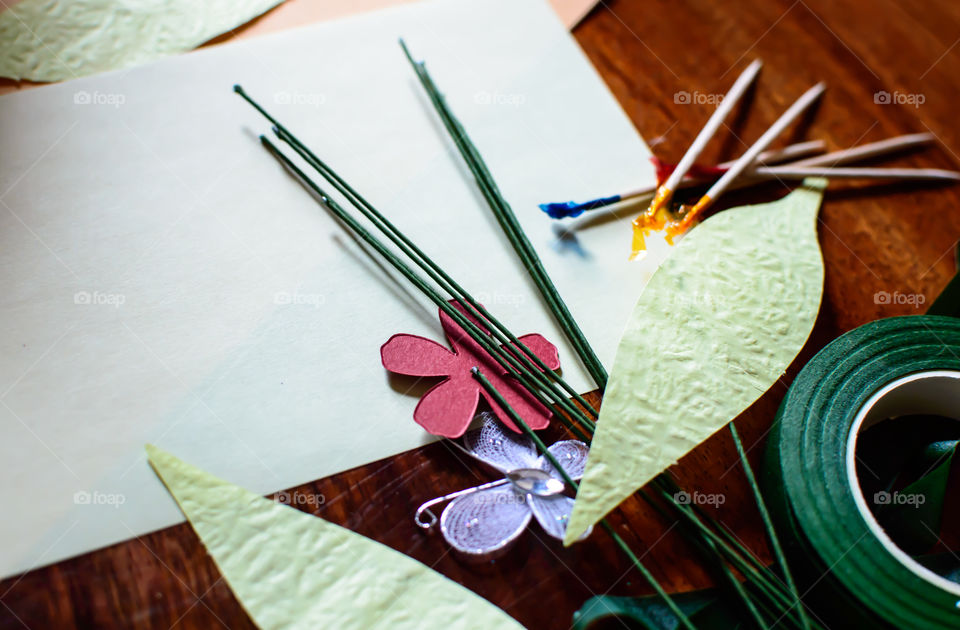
{"x": 660, "y": 200}
{"x": 704, "y": 202}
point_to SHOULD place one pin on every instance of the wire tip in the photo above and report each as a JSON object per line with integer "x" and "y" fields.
{"x": 237, "y": 88}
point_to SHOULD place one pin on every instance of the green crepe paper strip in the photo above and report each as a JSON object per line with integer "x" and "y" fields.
{"x": 707, "y": 610}
{"x": 293, "y": 570}
{"x": 53, "y": 40}
{"x": 847, "y": 575}
{"x": 911, "y": 456}
{"x": 916, "y": 528}
{"x": 511, "y": 226}
{"x": 717, "y": 325}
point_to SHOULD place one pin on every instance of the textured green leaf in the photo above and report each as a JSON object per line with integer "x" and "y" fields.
{"x": 715, "y": 327}
{"x": 53, "y": 40}
{"x": 290, "y": 569}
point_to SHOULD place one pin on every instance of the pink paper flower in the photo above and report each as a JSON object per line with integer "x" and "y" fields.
{"x": 448, "y": 408}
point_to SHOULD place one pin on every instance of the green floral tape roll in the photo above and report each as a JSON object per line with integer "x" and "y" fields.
{"x": 850, "y": 571}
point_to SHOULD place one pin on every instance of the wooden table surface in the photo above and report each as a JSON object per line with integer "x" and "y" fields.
{"x": 892, "y": 238}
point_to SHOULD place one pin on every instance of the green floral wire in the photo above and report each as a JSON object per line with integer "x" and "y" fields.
{"x": 738, "y": 588}
{"x": 474, "y": 308}
{"x": 504, "y": 358}
{"x": 772, "y": 589}
{"x": 708, "y": 546}
{"x": 435, "y": 271}
{"x": 768, "y": 525}
{"x": 511, "y": 226}
{"x": 667, "y": 485}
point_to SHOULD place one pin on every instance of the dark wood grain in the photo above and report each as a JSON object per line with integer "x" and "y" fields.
{"x": 877, "y": 238}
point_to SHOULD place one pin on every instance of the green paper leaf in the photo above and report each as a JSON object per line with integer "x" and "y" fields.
{"x": 291, "y": 570}
{"x": 53, "y": 40}
{"x": 717, "y": 325}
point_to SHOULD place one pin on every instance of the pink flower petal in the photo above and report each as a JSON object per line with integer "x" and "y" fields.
{"x": 417, "y": 356}
{"x": 448, "y": 408}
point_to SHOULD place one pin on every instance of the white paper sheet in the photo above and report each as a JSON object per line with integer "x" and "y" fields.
{"x": 164, "y": 281}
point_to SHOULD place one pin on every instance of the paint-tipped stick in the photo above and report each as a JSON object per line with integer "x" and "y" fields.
{"x": 665, "y": 191}
{"x": 750, "y": 156}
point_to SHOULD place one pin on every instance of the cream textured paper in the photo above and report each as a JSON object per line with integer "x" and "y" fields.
{"x": 292, "y": 570}
{"x": 717, "y": 325}
{"x": 163, "y": 280}
{"x": 53, "y": 40}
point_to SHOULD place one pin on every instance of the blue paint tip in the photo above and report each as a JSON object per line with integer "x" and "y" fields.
{"x": 571, "y": 209}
